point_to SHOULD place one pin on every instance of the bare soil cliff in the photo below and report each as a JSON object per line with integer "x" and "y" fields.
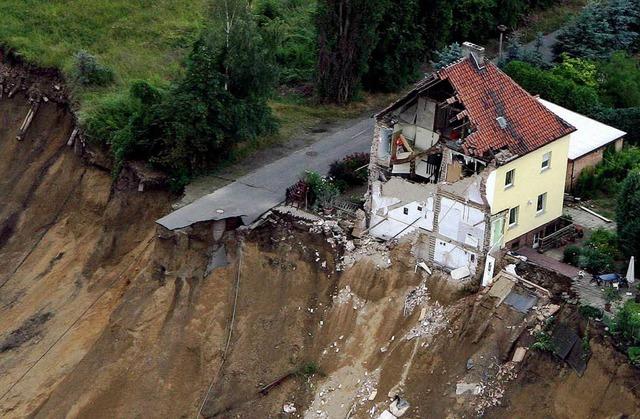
{"x": 102, "y": 315}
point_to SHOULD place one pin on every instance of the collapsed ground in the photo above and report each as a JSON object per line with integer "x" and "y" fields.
{"x": 103, "y": 317}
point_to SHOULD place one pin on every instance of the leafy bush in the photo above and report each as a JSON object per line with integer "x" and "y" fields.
{"x": 611, "y": 294}
{"x": 350, "y": 171}
{"x": 571, "y": 255}
{"x": 607, "y": 176}
{"x": 594, "y": 260}
{"x": 321, "y": 189}
{"x": 589, "y": 312}
{"x": 627, "y": 322}
{"x": 628, "y": 215}
{"x": 625, "y": 119}
{"x": 88, "y": 71}
{"x": 542, "y": 343}
{"x": 620, "y": 81}
{"x": 553, "y": 87}
{"x": 634, "y": 354}
{"x": 603, "y": 239}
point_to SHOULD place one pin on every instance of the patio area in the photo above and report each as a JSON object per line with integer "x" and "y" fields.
{"x": 588, "y": 293}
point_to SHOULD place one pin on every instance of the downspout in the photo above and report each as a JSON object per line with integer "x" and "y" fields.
{"x": 573, "y": 164}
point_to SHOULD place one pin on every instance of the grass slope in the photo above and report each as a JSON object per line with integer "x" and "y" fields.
{"x": 137, "y": 39}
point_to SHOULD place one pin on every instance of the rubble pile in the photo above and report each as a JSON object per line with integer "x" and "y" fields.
{"x": 493, "y": 388}
{"x": 345, "y": 295}
{"x": 416, "y": 297}
{"x": 433, "y": 321}
{"x": 369, "y": 248}
{"x": 542, "y": 315}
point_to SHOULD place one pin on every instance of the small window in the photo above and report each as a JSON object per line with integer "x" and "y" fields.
{"x": 546, "y": 161}
{"x": 542, "y": 202}
{"x": 419, "y": 208}
{"x": 406, "y": 211}
{"x": 513, "y": 216}
{"x": 509, "y": 178}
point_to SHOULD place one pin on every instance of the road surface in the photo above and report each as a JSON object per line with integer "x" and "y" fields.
{"x": 252, "y": 195}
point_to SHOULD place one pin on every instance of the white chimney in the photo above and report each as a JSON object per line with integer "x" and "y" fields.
{"x": 476, "y": 51}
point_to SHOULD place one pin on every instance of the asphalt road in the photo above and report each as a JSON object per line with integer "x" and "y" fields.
{"x": 252, "y": 195}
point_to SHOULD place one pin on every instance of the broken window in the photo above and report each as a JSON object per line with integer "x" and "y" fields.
{"x": 513, "y": 216}
{"x": 542, "y": 202}
{"x": 546, "y": 161}
{"x": 509, "y": 178}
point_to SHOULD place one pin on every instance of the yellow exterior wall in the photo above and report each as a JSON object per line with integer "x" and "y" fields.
{"x": 530, "y": 182}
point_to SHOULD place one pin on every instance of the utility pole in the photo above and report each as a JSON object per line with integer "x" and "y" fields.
{"x": 501, "y": 28}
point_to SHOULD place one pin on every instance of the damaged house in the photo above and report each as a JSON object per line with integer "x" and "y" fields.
{"x": 471, "y": 161}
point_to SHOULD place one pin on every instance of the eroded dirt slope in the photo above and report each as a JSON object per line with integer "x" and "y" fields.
{"x": 69, "y": 243}
{"x": 101, "y": 315}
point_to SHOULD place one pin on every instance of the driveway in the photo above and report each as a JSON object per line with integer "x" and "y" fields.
{"x": 547, "y": 43}
{"x": 252, "y": 195}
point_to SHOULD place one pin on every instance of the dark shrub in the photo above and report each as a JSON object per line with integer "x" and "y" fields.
{"x": 571, "y": 255}
{"x": 351, "y": 171}
{"x": 88, "y": 71}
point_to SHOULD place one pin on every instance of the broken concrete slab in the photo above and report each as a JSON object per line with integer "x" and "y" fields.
{"x": 386, "y": 415}
{"x": 399, "y": 407}
{"x": 501, "y": 288}
{"x": 460, "y": 273}
{"x": 519, "y": 354}
{"x": 473, "y": 388}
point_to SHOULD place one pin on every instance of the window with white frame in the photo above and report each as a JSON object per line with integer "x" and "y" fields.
{"x": 509, "y": 178}
{"x": 546, "y": 161}
{"x": 513, "y": 216}
{"x": 542, "y": 203}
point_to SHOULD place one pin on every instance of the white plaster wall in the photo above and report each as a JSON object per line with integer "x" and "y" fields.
{"x": 388, "y": 228}
{"x": 384, "y": 145}
{"x": 404, "y": 168}
{"x": 424, "y": 215}
{"x": 408, "y": 131}
{"x": 453, "y": 257}
{"x": 490, "y": 189}
{"x": 461, "y": 222}
{"x": 425, "y": 139}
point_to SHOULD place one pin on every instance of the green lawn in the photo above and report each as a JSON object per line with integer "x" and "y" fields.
{"x": 137, "y": 39}
{"x": 550, "y": 19}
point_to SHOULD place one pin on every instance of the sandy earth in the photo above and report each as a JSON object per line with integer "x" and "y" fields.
{"x": 100, "y": 316}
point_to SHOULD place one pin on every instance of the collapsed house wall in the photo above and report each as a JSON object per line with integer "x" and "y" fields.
{"x": 455, "y": 228}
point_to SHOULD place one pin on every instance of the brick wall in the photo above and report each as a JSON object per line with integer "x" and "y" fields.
{"x": 527, "y": 238}
{"x": 591, "y": 159}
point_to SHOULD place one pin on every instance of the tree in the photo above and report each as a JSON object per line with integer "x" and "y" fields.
{"x": 346, "y": 37}
{"x": 553, "y": 87}
{"x": 628, "y": 215}
{"x": 620, "y": 81}
{"x": 474, "y": 19}
{"x": 222, "y": 98}
{"x": 599, "y": 30}
{"x": 446, "y": 56}
{"x": 581, "y": 72}
{"x": 394, "y": 61}
{"x": 221, "y": 101}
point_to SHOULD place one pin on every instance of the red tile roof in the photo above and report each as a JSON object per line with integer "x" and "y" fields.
{"x": 487, "y": 93}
